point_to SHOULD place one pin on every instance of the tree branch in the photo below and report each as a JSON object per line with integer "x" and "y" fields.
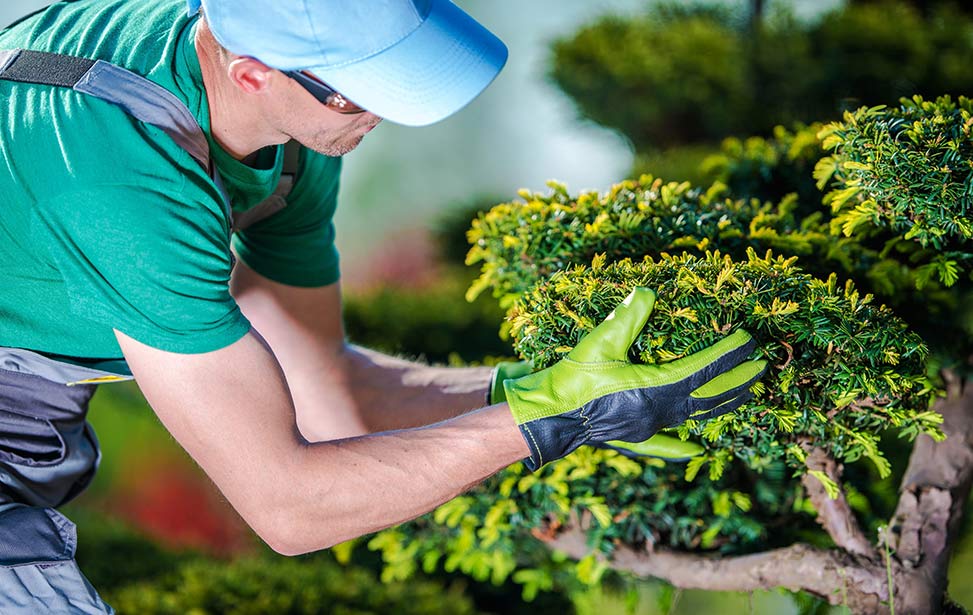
{"x": 829, "y": 574}
{"x": 835, "y": 515}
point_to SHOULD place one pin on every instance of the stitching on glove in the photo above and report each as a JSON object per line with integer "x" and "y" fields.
{"x": 596, "y": 364}
{"x": 587, "y": 427}
{"x": 540, "y": 455}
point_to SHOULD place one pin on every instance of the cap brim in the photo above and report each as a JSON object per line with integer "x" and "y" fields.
{"x": 429, "y": 75}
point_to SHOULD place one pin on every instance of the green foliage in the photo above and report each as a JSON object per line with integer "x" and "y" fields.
{"x": 669, "y": 77}
{"x": 772, "y": 168}
{"x": 878, "y": 52}
{"x": 909, "y": 171}
{"x": 521, "y": 243}
{"x": 654, "y": 77}
{"x": 842, "y": 367}
{"x": 901, "y": 181}
{"x": 282, "y": 586}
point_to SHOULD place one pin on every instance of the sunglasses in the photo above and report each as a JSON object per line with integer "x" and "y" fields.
{"x": 320, "y": 90}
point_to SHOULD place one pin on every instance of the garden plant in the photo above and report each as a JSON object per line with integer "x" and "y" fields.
{"x": 787, "y": 492}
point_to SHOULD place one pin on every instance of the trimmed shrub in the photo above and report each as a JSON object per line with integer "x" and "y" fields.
{"x": 654, "y": 77}
{"x": 521, "y": 243}
{"x": 842, "y": 370}
{"x": 770, "y": 169}
{"x": 901, "y": 180}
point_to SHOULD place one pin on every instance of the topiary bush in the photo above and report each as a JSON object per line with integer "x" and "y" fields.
{"x": 522, "y": 242}
{"x": 842, "y": 367}
{"x": 906, "y": 172}
{"x": 770, "y": 169}
{"x": 843, "y": 370}
{"x": 662, "y": 69}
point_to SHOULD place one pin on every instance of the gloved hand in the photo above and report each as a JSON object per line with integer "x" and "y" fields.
{"x": 595, "y": 394}
{"x": 504, "y": 371}
{"x": 658, "y": 446}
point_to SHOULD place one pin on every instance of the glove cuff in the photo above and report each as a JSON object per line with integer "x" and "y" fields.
{"x": 505, "y": 371}
{"x": 553, "y": 437}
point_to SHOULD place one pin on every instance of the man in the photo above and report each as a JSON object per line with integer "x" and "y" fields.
{"x": 139, "y": 235}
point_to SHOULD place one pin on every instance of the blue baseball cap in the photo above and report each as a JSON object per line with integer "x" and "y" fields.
{"x": 412, "y": 62}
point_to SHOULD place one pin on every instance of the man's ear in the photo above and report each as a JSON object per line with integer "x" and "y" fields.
{"x": 251, "y": 76}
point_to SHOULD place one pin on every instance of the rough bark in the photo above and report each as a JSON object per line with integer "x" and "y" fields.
{"x": 834, "y": 514}
{"x": 934, "y": 490}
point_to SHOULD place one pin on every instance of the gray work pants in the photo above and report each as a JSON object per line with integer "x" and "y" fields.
{"x": 48, "y": 455}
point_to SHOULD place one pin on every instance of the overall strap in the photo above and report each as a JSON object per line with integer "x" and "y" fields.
{"x": 278, "y": 200}
{"x": 139, "y": 97}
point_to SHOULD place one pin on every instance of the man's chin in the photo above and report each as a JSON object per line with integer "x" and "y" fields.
{"x": 335, "y": 148}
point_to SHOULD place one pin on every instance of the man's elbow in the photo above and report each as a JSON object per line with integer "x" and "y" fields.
{"x": 289, "y": 523}
{"x": 288, "y": 538}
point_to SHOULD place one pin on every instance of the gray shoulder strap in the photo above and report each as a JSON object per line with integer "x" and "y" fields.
{"x": 278, "y": 200}
{"x": 139, "y": 97}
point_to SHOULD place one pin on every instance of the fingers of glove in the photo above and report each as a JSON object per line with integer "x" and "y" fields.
{"x": 729, "y": 384}
{"x": 611, "y": 340}
{"x": 725, "y": 407}
{"x": 659, "y": 445}
{"x": 704, "y": 365}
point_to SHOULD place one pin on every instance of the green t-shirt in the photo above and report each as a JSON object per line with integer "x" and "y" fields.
{"x": 105, "y": 222}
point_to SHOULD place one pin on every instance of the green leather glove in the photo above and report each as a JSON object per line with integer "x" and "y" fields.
{"x": 658, "y": 446}
{"x": 596, "y": 395}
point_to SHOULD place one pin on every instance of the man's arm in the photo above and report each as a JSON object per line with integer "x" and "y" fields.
{"x": 342, "y": 390}
{"x": 231, "y": 410}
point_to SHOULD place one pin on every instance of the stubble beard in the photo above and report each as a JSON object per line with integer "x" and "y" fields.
{"x": 331, "y": 144}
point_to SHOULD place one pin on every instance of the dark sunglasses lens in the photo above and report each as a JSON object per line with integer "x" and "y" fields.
{"x": 325, "y": 95}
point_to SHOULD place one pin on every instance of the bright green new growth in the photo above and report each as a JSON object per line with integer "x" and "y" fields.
{"x": 906, "y": 174}
{"x": 841, "y": 368}
{"x": 521, "y": 243}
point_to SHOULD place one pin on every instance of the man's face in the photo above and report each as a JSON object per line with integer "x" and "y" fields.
{"x": 317, "y": 127}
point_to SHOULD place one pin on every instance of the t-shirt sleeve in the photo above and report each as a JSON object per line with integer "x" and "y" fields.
{"x": 154, "y": 264}
{"x": 296, "y": 246}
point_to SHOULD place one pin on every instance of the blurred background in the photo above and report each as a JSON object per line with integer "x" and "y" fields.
{"x": 594, "y": 91}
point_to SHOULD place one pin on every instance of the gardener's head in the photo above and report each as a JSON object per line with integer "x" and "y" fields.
{"x": 350, "y": 62}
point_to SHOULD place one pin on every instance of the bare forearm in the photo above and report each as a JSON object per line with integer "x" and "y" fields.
{"x": 352, "y": 487}
{"x": 392, "y": 393}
